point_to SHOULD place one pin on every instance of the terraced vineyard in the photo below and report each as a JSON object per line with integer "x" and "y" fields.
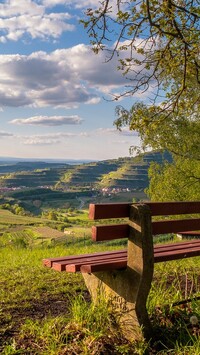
{"x": 7, "y": 217}
{"x": 47, "y": 186}
{"x": 122, "y": 173}
{"x": 25, "y": 231}
{"x": 46, "y": 177}
{"x": 88, "y": 175}
{"x": 131, "y": 173}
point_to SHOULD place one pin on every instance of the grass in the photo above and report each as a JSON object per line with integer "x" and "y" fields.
{"x": 46, "y": 312}
{"x": 7, "y": 217}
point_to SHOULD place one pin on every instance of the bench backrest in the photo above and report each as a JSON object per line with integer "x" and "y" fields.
{"x": 164, "y": 226}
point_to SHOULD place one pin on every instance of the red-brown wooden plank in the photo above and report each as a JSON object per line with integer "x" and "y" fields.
{"x": 176, "y": 246}
{"x": 122, "y": 210}
{"x": 110, "y": 232}
{"x": 192, "y": 233}
{"x": 81, "y": 259}
{"x": 63, "y": 261}
{"x": 109, "y": 210}
{"x": 118, "y": 264}
{"x": 117, "y": 231}
{"x": 101, "y": 265}
{"x": 173, "y": 208}
{"x": 49, "y": 262}
{"x": 176, "y": 254}
{"x": 174, "y": 226}
{"x": 122, "y": 263}
{"x": 158, "y": 257}
{"x": 117, "y": 259}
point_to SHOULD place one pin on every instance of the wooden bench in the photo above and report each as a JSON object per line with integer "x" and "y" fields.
{"x": 125, "y": 276}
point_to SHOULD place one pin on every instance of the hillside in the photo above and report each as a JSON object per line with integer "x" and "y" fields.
{"x": 39, "y": 186}
{"x": 31, "y": 174}
{"x": 123, "y": 173}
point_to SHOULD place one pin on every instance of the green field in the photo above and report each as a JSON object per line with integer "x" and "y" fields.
{"x": 7, "y": 217}
{"x": 46, "y": 312}
{"x": 24, "y": 231}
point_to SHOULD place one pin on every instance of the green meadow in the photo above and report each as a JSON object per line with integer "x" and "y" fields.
{"x": 46, "y": 312}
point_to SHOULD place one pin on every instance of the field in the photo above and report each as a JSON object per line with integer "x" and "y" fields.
{"x": 28, "y": 232}
{"x": 46, "y": 312}
{"x": 7, "y": 217}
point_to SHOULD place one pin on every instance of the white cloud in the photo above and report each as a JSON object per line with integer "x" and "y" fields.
{"x": 5, "y": 134}
{"x": 123, "y": 132}
{"x": 42, "y": 79}
{"x": 121, "y": 142}
{"x": 50, "y": 138}
{"x": 41, "y": 141}
{"x": 76, "y": 3}
{"x": 127, "y": 133}
{"x": 48, "y": 120}
{"x": 62, "y": 78}
{"x": 28, "y": 17}
{"x": 13, "y": 98}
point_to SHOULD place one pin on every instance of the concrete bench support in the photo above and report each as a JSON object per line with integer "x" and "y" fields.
{"x": 128, "y": 289}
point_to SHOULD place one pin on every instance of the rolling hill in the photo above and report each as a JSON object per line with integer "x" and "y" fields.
{"x": 123, "y": 173}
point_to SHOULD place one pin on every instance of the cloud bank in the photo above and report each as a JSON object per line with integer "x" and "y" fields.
{"x": 48, "y": 120}
{"x": 25, "y": 17}
{"x": 63, "y": 78}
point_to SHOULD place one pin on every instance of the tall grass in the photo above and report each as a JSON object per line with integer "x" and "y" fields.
{"x": 46, "y": 312}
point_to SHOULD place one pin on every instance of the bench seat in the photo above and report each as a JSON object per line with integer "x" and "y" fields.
{"x": 112, "y": 260}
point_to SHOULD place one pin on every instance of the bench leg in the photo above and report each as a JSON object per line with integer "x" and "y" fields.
{"x": 121, "y": 289}
{"x": 128, "y": 289}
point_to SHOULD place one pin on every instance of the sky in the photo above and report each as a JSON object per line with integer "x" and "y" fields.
{"x": 56, "y": 95}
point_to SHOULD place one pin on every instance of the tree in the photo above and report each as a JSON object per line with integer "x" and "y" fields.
{"x": 157, "y": 44}
{"x": 52, "y": 215}
{"x": 178, "y": 181}
{"x": 178, "y": 133}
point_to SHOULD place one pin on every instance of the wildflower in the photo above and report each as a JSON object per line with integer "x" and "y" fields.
{"x": 193, "y": 320}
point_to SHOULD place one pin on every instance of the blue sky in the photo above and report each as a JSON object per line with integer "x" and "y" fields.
{"x": 54, "y": 91}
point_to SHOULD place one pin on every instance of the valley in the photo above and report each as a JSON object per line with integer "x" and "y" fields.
{"x": 47, "y": 203}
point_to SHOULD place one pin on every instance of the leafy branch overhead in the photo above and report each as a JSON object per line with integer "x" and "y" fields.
{"x": 157, "y": 44}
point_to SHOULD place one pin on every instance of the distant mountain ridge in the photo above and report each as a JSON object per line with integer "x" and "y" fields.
{"x": 13, "y": 160}
{"x": 123, "y": 173}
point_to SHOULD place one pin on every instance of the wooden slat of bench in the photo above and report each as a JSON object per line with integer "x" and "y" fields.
{"x": 110, "y": 232}
{"x": 178, "y": 245}
{"x": 117, "y": 259}
{"x": 175, "y": 251}
{"x": 174, "y": 226}
{"x": 176, "y": 254}
{"x": 66, "y": 259}
{"x": 191, "y": 233}
{"x": 173, "y": 208}
{"x": 122, "y": 210}
{"x": 109, "y": 210}
{"x": 80, "y": 259}
{"x": 159, "y": 256}
{"x": 101, "y": 265}
{"x": 118, "y": 231}
{"x": 108, "y": 266}
{"x": 49, "y": 262}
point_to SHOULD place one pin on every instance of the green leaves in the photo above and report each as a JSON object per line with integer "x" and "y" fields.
{"x": 162, "y": 38}
{"x": 179, "y": 181}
